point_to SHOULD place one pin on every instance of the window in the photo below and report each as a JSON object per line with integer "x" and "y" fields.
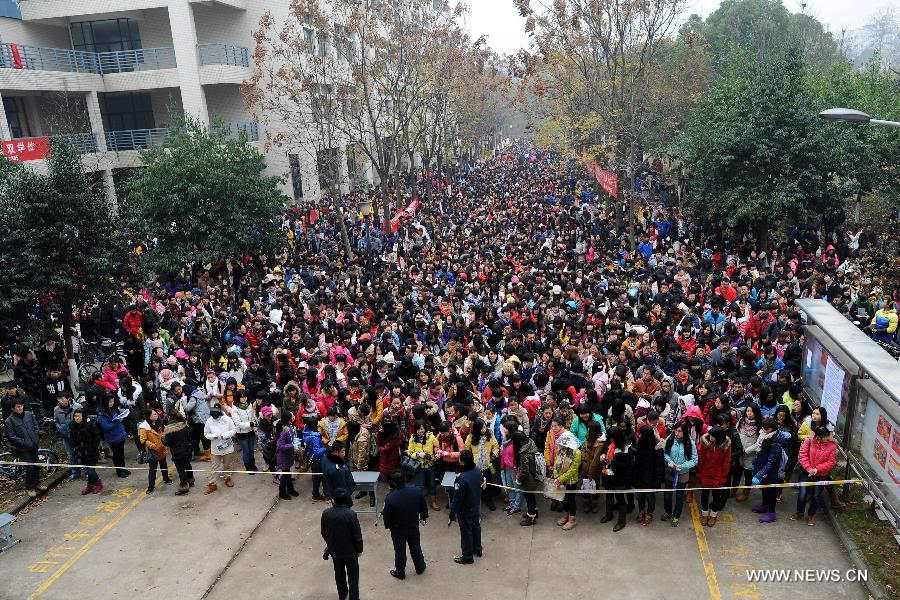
{"x": 323, "y": 47}
{"x": 15, "y": 117}
{"x": 126, "y": 110}
{"x": 109, "y": 35}
{"x": 310, "y": 39}
{"x": 296, "y": 176}
{"x": 9, "y": 8}
{"x": 327, "y": 163}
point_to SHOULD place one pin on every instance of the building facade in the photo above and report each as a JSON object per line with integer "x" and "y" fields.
{"x": 108, "y": 74}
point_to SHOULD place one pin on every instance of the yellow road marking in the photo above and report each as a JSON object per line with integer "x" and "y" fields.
{"x": 87, "y": 545}
{"x": 703, "y": 545}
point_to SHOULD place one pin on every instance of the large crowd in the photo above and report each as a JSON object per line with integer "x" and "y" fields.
{"x": 506, "y": 314}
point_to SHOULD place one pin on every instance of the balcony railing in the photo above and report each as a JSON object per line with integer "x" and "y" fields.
{"x": 77, "y": 61}
{"x": 223, "y": 54}
{"x": 234, "y": 130}
{"x": 84, "y": 143}
{"x": 136, "y": 139}
{"x": 48, "y": 59}
{"x": 145, "y": 59}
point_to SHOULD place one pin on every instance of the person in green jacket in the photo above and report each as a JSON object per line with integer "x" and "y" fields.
{"x": 566, "y": 473}
{"x": 580, "y": 424}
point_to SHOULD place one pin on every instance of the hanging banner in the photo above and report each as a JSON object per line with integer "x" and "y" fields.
{"x": 408, "y": 211}
{"x": 607, "y": 180}
{"x": 25, "y": 149}
{"x": 16, "y": 56}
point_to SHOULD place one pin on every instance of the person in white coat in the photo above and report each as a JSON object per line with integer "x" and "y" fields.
{"x": 220, "y": 431}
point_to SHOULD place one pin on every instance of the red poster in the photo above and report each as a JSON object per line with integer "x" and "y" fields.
{"x": 25, "y": 149}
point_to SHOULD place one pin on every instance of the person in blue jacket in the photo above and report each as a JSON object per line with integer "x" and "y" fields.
{"x": 681, "y": 457}
{"x": 466, "y": 508}
{"x": 109, "y": 418}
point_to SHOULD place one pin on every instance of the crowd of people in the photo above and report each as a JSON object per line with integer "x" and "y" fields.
{"x": 504, "y": 315}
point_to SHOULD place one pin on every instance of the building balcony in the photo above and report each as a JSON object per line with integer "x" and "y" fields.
{"x": 84, "y": 143}
{"x": 76, "y": 61}
{"x": 142, "y": 139}
{"x": 136, "y": 139}
{"x": 223, "y": 54}
{"x": 251, "y": 128}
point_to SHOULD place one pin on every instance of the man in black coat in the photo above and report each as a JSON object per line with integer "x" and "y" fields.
{"x": 343, "y": 538}
{"x": 22, "y": 434}
{"x": 335, "y": 472}
{"x": 403, "y": 507}
{"x": 466, "y": 506}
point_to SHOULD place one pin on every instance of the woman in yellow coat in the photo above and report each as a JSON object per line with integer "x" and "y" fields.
{"x": 151, "y": 432}
{"x": 423, "y": 446}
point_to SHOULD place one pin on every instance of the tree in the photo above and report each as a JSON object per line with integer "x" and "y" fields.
{"x": 605, "y": 76}
{"x": 370, "y": 67}
{"x": 755, "y": 151}
{"x": 203, "y": 198}
{"x": 60, "y": 246}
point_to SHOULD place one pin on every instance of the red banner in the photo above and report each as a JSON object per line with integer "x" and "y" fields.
{"x": 25, "y": 149}
{"x": 16, "y": 56}
{"x": 408, "y": 211}
{"x": 607, "y": 180}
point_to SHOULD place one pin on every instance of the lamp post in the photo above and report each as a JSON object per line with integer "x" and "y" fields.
{"x": 858, "y": 117}
{"x": 849, "y": 115}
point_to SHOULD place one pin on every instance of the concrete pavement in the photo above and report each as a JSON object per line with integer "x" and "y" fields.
{"x": 126, "y": 545}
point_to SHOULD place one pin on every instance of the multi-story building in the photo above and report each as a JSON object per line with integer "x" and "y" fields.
{"x": 106, "y": 73}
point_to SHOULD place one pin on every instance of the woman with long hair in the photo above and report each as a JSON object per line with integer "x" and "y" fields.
{"x": 485, "y": 449}
{"x": 681, "y": 458}
{"x": 109, "y": 418}
{"x": 617, "y": 472}
{"x": 647, "y": 472}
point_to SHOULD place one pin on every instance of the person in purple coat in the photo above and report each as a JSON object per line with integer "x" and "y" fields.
{"x": 284, "y": 456}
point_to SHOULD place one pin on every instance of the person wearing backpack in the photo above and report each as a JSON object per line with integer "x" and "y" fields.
{"x": 818, "y": 455}
{"x": 768, "y": 467}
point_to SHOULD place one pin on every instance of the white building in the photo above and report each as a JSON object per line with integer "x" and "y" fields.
{"x": 105, "y": 72}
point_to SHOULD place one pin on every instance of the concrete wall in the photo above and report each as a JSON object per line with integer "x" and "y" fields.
{"x": 224, "y": 101}
{"x": 34, "y": 34}
{"x": 155, "y": 29}
{"x": 221, "y": 25}
{"x": 161, "y": 100}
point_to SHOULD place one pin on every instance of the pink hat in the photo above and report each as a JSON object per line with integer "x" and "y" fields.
{"x": 266, "y": 411}
{"x": 171, "y": 361}
{"x": 166, "y": 375}
{"x": 180, "y": 354}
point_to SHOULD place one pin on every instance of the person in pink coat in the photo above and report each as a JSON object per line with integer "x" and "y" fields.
{"x": 818, "y": 455}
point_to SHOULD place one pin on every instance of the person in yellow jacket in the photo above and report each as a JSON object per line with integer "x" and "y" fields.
{"x": 566, "y": 472}
{"x": 150, "y": 432}
{"x": 423, "y": 447}
{"x": 884, "y": 323}
{"x": 333, "y": 428}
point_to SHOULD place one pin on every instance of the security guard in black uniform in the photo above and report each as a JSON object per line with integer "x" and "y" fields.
{"x": 466, "y": 507}
{"x": 404, "y": 506}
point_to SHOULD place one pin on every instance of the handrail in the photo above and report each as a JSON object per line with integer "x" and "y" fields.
{"x": 144, "y": 59}
{"x": 136, "y": 139}
{"x": 78, "y": 61}
{"x": 223, "y": 54}
{"x": 251, "y": 128}
{"x": 48, "y": 59}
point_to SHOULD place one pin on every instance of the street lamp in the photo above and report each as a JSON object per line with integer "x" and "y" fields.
{"x": 854, "y": 116}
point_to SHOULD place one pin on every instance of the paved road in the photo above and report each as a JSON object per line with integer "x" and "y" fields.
{"x": 125, "y": 545}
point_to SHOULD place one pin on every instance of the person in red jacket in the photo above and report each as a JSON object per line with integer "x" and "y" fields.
{"x": 714, "y": 452}
{"x": 110, "y": 379}
{"x": 388, "y": 448}
{"x": 818, "y": 455}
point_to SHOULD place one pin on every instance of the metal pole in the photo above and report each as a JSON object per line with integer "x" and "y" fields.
{"x": 885, "y": 123}
{"x": 853, "y": 400}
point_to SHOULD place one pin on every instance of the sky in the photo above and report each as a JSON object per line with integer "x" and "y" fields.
{"x": 500, "y": 22}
